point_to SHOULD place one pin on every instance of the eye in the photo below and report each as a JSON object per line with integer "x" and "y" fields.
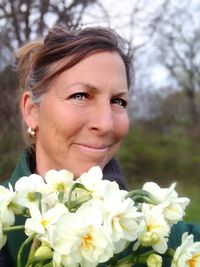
{"x": 120, "y": 102}
{"x": 79, "y": 96}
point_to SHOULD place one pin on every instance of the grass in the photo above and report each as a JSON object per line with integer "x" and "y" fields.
{"x": 193, "y": 210}
{"x": 164, "y": 158}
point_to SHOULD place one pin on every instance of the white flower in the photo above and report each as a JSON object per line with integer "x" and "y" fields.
{"x": 6, "y": 213}
{"x": 3, "y": 237}
{"x": 92, "y": 180}
{"x": 121, "y": 218}
{"x": 26, "y": 187}
{"x": 59, "y": 182}
{"x": 156, "y": 230}
{"x": 188, "y": 254}
{"x": 64, "y": 240}
{"x": 41, "y": 223}
{"x": 173, "y": 206}
{"x": 80, "y": 238}
{"x": 64, "y": 260}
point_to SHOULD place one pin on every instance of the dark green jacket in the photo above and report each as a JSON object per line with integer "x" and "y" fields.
{"x": 8, "y": 256}
{"x": 25, "y": 167}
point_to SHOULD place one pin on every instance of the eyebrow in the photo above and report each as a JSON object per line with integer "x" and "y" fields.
{"x": 93, "y": 87}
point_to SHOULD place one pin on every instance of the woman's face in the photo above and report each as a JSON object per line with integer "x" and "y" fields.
{"x": 82, "y": 118}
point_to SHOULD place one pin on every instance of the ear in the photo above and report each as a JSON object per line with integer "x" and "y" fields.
{"x": 29, "y": 110}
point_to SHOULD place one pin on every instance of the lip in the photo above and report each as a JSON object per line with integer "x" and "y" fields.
{"x": 92, "y": 148}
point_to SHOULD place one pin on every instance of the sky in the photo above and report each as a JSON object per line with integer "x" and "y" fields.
{"x": 119, "y": 16}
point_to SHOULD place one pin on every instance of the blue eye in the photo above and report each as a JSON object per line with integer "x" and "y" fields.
{"x": 120, "y": 102}
{"x": 79, "y": 96}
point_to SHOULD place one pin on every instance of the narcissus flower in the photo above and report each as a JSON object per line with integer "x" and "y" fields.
{"x": 59, "y": 181}
{"x": 156, "y": 229}
{"x": 92, "y": 180}
{"x": 26, "y": 187}
{"x": 173, "y": 206}
{"x": 121, "y": 217}
{"x": 6, "y": 213}
{"x": 188, "y": 253}
{"x": 81, "y": 236}
{"x": 3, "y": 237}
{"x": 40, "y": 223}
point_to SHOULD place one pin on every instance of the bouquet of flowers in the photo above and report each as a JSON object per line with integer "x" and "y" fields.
{"x": 90, "y": 222}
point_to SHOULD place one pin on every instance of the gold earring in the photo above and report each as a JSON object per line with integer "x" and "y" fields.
{"x": 31, "y": 132}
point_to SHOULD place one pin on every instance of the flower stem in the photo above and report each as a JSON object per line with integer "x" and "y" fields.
{"x": 21, "y": 250}
{"x": 13, "y": 228}
{"x": 132, "y": 259}
{"x": 34, "y": 246}
{"x": 141, "y": 196}
{"x": 50, "y": 264}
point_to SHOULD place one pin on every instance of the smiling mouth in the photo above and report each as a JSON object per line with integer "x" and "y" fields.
{"x": 93, "y": 148}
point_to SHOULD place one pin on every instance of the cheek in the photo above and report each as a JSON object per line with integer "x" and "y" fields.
{"x": 122, "y": 127}
{"x": 61, "y": 124}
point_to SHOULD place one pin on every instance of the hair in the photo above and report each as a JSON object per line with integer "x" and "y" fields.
{"x": 38, "y": 63}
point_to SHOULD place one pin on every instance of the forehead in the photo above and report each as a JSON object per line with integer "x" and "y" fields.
{"x": 102, "y": 62}
{"x": 103, "y": 70}
{"x": 104, "y": 65}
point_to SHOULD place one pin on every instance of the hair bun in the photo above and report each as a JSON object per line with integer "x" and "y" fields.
{"x": 57, "y": 34}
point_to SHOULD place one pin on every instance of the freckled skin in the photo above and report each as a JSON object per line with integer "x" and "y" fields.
{"x": 82, "y": 117}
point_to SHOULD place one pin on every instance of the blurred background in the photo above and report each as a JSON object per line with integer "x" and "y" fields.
{"x": 163, "y": 38}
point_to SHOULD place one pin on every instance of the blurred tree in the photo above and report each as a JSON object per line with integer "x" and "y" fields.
{"x": 22, "y": 20}
{"x": 168, "y": 112}
{"x": 136, "y": 28}
{"x": 8, "y": 99}
{"x": 177, "y": 44}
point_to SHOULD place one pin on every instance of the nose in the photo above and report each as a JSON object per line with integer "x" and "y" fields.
{"x": 101, "y": 119}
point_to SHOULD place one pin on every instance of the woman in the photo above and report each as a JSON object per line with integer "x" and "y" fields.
{"x": 73, "y": 104}
{"x": 75, "y": 92}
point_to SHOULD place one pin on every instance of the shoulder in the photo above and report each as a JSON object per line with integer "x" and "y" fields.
{"x": 23, "y": 167}
{"x": 178, "y": 229}
{"x": 112, "y": 172}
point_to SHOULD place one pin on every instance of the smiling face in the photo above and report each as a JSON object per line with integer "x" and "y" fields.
{"x": 82, "y": 117}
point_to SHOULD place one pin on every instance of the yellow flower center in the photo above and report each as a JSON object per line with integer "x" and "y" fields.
{"x": 60, "y": 187}
{"x": 44, "y": 222}
{"x": 192, "y": 262}
{"x": 150, "y": 227}
{"x": 86, "y": 242}
{"x": 31, "y": 196}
